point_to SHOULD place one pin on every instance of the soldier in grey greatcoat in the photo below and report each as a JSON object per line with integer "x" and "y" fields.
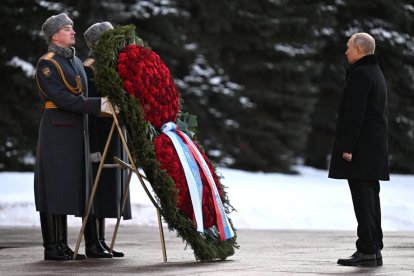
{"x": 62, "y": 178}
{"x": 107, "y": 201}
{"x": 360, "y": 151}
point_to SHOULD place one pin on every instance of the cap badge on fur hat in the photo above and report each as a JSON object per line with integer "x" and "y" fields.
{"x": 54, "y": 23}
{"x": 93, "y": 33}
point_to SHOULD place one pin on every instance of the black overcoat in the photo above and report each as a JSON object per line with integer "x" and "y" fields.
{"x": 61, "y": 179}
{"x": 107, "y": 201}
{"x": 362, "y": 124}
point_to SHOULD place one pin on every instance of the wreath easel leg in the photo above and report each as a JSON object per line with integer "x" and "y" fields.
{"x": 94, "y": 188}
{"x": 132, "y": 168}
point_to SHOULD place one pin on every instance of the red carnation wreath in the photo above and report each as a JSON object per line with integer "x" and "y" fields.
{"x": 153, "y": 100}
{"x": 146, "y": 77}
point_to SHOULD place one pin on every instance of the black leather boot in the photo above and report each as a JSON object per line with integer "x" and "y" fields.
{"x": 101, "y": 235}
{"x": 52, "y": 250}
{"x": 62, "y": 237}
{"x": 359, "y": 259}
{"x": 93, "y": 247}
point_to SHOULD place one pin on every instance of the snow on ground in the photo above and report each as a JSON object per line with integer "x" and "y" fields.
{"x": 308, "y": 200}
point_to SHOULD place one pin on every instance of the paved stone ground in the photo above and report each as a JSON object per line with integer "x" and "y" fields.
{"x": 276, "y": 252}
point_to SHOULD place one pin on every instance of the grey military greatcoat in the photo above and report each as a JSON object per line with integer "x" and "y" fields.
{"x": 111, "y": 186}
{"x": 61, "y": 179}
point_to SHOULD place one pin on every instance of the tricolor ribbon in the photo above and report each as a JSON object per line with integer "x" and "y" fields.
{"x": 189, "y": 154}
{"x": 192, "y": 174}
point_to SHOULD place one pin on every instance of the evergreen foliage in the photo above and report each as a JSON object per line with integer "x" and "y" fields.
{"x": 264, "y": 79}
{"x": 18, "y": 102}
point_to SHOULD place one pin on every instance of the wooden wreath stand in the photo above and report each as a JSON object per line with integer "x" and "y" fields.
{"x": 131, "y": 169}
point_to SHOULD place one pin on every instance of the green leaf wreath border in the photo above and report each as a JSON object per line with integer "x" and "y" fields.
{"x": 139, "y": 134}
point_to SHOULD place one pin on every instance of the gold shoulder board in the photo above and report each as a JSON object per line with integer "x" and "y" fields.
{"x": 48, "y": 56}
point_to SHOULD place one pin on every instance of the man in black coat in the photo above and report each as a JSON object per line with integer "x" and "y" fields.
{"x": 360, "y": 151}
{"x": 61, "y": 177}
{"x": 111, "y": 187}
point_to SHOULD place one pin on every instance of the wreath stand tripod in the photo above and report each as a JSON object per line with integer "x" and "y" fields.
{"x": 131, "y": 169}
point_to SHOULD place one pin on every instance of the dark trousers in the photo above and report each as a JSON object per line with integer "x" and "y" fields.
{"x": 365, "y": 197}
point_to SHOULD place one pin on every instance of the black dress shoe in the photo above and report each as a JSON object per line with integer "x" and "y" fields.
{"x": 96, "y": 250}
{"x": 359, "y": 259}
{"x": 54, "y": 253}
{"x": 66, "y": 249}
{"x": 116, "y": 254}
{"x": 379, "y": 258}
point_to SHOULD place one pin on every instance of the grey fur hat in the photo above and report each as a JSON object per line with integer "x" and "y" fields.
{"x": 54, "y": 23}
{"x": 93, "y": 33}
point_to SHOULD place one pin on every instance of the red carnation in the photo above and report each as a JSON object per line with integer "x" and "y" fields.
{"x": 146, "y": 77}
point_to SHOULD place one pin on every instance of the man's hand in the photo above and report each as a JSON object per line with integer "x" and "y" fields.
{"x": 347, "y": 156}
{"x": 106, "y": 107}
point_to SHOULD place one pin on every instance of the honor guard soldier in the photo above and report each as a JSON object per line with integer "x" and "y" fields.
{"x": 108, "y": 197}
{"x": 61, "y": 178}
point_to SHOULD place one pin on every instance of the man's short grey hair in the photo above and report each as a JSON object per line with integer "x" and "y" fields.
{"x": 365, "y": 41}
